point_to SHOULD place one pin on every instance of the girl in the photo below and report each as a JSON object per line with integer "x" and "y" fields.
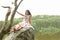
{"x": 25, "y": 23}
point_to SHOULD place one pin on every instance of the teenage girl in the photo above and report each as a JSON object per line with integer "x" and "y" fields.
{"x": 25, "y": 23}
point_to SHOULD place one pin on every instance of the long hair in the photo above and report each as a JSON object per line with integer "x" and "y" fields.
{"x": 30, "y": 16}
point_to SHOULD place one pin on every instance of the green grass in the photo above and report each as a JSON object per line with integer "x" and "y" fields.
{"x": 48, "y": 34}
{"x": 55, "y": 36}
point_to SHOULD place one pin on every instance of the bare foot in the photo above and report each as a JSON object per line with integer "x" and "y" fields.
{"x": 19, "y": 28}
{"x": 12, "y": 30}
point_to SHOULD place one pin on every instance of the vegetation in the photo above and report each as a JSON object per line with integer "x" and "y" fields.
{"x": 46, "y": 27}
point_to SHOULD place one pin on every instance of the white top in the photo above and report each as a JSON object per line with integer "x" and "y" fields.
{"x": 25, "y": 23}
{"x": 26, "y": 18}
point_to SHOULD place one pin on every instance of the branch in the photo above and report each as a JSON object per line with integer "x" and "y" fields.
{"x": 6, "y": 17}
{"x": 12, "y": 16}
{"x": 6, "y": 7}
{"x": 3, "y": 31}
{"x": 15, "y": 4}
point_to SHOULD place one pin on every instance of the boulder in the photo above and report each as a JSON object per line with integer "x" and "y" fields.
{"x": 26, "y": 33}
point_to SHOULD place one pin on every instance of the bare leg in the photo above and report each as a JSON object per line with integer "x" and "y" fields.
{"x": 11, "y": 30}
{"x": 16, "y": 28}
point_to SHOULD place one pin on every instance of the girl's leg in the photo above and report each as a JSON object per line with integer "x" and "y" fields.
{"x": 18, "y": 27}
{"x": 12, "y": 30}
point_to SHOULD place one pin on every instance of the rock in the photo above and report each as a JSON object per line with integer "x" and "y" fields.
{"x": 26, "y": 33}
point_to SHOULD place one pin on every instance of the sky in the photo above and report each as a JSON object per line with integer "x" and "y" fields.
{"x": 36, "y": 7}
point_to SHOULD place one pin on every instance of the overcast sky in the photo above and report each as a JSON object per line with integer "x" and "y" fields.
{"x": 36, "y": 7}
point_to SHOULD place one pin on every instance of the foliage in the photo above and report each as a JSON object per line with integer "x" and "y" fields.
{"x": 45, "y": 26}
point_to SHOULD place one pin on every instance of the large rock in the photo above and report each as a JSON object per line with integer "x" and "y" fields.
{"x": 26, "y": 33}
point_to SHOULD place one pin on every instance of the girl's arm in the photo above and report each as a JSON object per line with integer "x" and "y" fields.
{"x": 19, "y": 13}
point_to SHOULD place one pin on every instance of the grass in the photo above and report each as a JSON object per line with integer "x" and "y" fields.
{"x": 48, "y": 34}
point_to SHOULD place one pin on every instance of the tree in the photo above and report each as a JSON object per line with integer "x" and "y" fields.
{"x": 3, "y": 31}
